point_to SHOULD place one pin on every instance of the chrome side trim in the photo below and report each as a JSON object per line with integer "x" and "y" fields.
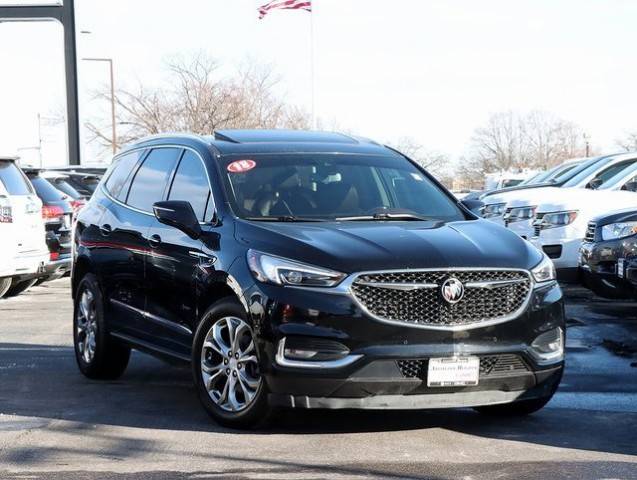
{"x": 154, "y": 318}
{"x": 308, "y": 364}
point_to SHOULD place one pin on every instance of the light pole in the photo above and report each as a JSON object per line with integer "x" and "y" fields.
{"x": 110, "y": 63}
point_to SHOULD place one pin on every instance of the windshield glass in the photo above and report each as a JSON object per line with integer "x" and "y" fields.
{"x": 329, "y": 186}
{"x": 619, "y": 179}
{"x": 581, "y": 175}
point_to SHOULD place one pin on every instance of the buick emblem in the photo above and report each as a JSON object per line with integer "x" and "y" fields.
{"x": 452, "y": 290}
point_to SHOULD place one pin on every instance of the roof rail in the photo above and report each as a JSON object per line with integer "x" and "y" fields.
{"x": 224, "y": 138}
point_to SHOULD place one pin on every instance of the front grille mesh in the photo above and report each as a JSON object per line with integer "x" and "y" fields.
{"x": 590, "y": 232}
{"x": 490, "y": 366}
{"x": 425, "y": 306}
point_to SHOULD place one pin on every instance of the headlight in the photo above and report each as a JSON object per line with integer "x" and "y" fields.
{"x": 619, "y": 230}
{"x": 280, "y": 271}
{"x": 557, "y": 219}
{"x": 494, "y": 210}
{"x": 518, "y": 214}
{"x": 545, "y": 270}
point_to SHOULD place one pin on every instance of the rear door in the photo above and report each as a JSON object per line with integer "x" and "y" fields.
{"x": 125, "y": 228}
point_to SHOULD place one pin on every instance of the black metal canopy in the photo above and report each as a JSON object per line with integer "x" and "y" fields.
{"x": 65, "y": 14}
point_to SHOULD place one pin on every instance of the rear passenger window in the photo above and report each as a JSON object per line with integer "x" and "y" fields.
{"x": 14, "y": 180}
{"x": 151, "y": 179}
{"x": 191, "y": 184}
{"x": 121, "y": 173}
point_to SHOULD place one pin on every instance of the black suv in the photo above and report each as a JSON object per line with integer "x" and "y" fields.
{"x": 310, "y": 270}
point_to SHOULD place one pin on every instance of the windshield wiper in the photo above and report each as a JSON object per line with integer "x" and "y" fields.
{"x": 399, "y": 217}
{"x": 284, "y": 218}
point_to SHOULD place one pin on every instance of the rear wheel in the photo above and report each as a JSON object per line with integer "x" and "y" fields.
{"x": 226, "y": 369}
{"x": 5, "y": 285}
{"x": 98, "y": 355}
{"x": 19, "y": 287}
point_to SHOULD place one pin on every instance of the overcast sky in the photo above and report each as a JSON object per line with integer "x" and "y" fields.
{"x": 429, "y": 69}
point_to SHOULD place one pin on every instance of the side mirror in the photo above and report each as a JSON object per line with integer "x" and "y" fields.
{"x": 474, "y": 205}
{"x": 595, "y": 183}
{"x": 630, "y": 186}
{"x": 180, "y": 215}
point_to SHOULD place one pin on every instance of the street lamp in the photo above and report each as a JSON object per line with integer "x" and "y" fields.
{"x": 110, "y": 63}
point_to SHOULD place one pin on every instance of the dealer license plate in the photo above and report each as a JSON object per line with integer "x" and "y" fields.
{"x": 620, "y": 267}
{"x": 453, "y": 372}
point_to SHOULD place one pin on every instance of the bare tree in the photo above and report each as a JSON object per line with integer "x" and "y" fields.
{"x": 436, "y": 162}
{"x": 536, "y": 139}
{"x": 198, "y": 98}
{"x": 628, "y": 142}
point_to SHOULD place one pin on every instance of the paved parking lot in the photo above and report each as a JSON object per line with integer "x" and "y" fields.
{"x": 55, "y": 424}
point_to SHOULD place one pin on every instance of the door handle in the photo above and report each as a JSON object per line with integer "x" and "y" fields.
{"x": 154, "y": 240}
{"x": 106, "y": 229}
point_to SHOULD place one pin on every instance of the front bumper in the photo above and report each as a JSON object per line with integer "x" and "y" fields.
{"x": 374, "y": 378}
{"x": 564, "y": 251}
{"x": 599, "y": 266}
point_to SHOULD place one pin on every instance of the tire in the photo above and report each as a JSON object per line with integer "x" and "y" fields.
{"x": 228, "y": 381}
{"x": 5, "y": 285}
{"x": 20, "y": 287}
{"x": 98, "y": 355}
{"x": 522, "y": 407}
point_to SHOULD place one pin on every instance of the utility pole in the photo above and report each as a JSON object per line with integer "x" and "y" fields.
{"x": 113, "y": 122}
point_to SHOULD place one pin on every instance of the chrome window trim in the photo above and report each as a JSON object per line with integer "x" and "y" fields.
{"x": 149, "y": 148}
{"x": 345, "y": 288}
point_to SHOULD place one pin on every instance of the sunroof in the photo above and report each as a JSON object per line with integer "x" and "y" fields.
{"x": 293, "y": 136}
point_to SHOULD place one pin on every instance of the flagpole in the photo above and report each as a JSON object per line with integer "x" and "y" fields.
{"x": 312, "y": 72}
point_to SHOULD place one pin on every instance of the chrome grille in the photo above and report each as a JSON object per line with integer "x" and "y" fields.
{"x": 490, "y": 366}
{"x": 590, "y": 232}
{"x": 414, "y": 297}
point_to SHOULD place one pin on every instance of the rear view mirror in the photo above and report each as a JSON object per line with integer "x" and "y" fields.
{"x": 630, "y": 186}
{"x": 180, "y": 215}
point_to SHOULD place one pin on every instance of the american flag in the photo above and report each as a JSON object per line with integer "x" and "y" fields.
{"x": 285, "y": 5}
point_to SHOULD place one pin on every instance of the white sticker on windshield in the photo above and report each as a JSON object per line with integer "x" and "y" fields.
{"x": 417, "y": 177}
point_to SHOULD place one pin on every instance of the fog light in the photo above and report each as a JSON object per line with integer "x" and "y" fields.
{"x": 296, "y": 354}
{"x": 549, "y": 346}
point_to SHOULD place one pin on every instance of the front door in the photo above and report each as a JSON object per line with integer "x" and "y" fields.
{"x": 176, "y": 262}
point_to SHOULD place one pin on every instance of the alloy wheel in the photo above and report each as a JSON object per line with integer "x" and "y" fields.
{"x": 86, "y": 338}
{"x": 229, "y": 365}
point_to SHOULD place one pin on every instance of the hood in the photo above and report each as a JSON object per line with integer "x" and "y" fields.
{"x": 367, "y": 246}
{"x": 624, "y": 215}
{"x": 522, "y": 197}
{"x": 589, "y": 202}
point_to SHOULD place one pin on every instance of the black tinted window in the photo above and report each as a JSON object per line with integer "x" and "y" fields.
{"x": 329, "y": 186}
{"x": 65, "y": 187}
{"x": 191, "y": 184}
{"x": 46, "y": 191}
{"x": 121, "y": 174}
{"x": 13, "y": 179}
{"x": 151, "y": 179}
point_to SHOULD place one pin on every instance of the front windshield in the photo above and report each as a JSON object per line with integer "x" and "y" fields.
{"x": 581, "y": 174}
{"x": 620, "y": 179}
{"x": 332, "y": 186}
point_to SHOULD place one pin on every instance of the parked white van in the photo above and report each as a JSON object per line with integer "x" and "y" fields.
{"x": 23, "y": 249}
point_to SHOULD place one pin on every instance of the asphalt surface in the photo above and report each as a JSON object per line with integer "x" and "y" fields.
{"x": 56, "y": 424}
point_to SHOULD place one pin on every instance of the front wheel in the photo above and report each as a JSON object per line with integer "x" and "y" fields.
{"x": 5, "y": 284}
{"x": 20, "y": 287}
{"x": 98, "y": 355}
{"x": 226, "y": 369}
